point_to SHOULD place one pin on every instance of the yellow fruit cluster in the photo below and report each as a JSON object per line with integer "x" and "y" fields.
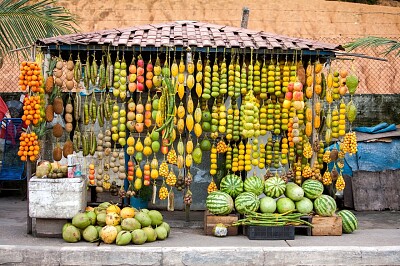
{"x": 163, "y": 171}
{"x": 222, "y": 147}
{"x": 307, "y": 171}
{"x": 163, "y": 193}
{"x": 214, "y": 160}
{"x": 326, "y": 178}
{"x": 212, "y": 187}
{"x": 340, "y": 184}
{"x": 171, "y": 179}
{"x": 171, "y": 156}
{"x": 350, "y": 143}
{"x": 307, "y": 150}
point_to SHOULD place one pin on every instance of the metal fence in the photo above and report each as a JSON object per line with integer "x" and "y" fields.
{"x": 376, "y": 77}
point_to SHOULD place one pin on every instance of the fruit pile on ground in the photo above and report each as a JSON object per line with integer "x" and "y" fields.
{"x": 110, "y": 224}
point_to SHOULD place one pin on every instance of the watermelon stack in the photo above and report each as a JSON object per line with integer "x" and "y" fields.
{"x": 247, "y": 202}
{"x": 219, "y": 203}
{"x": 312, "y": 188}
{"x": 274, "y": 187}
{"x": 325, "y": 205}
{"x": 232, "y": 184}
{"x": 349, "y": 221}
{"x": 254, "y": 184}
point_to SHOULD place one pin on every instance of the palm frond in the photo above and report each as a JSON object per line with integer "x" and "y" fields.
{"x": 22, "y": 23}
{"x": 371, "y": 41}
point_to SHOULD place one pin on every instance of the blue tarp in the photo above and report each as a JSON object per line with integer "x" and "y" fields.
{"x": 373, "y": 157}
{"x": 380, "y": 128}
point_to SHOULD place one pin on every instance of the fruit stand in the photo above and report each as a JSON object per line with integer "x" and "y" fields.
{"x": 189, "y": 114}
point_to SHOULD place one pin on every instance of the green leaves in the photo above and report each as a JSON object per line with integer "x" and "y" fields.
{"x": 371, "y": 41}
{"x": 22, "y": 23}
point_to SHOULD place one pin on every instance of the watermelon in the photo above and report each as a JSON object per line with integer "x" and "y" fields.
{"x": 325, "y": 205}
{"x": 274, "y": 187}
{"x": 294, "y": 192}
{"x": 349, "y": 221}
{"x": 312, "y": 188}
{"x": 268, "y": 205}
{"x": 232, "y": 184}
{"x": 254, "y": 184}
{"x": 284, "y": 205}
{"x": 219, "y": 203}
{"x": 247, "y": 202}
{"x": 304, "y": 205}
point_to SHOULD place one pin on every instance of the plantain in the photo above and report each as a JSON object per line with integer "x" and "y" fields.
{"x": 86, "y": 79}
{"x": 76, "y": 140}
{"x": 86, "y": 112}
{"x": 77, "y": 106}
{"x": 93, "y": 108}
{"x": 100, "y": 112}
{"x": 93, "y": 70}
{"x": 109, "y": 72}
{"x": 102, "y": 74}
{"x": 92, "y": 143}
{"x": 78, "y": 69}
{"x": 85, "y": 144}
{"x": 107, "y": 107}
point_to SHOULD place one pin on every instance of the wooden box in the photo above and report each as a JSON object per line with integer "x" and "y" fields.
{"x": 48, "y": 227}
{"x": 327, "y": 226}
{"x": 210, "y": 220}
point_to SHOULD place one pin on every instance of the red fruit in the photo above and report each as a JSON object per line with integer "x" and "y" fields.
{"x": 291, "y": 86}
{"x": 164, "y": 150}
{"x": 297, "y": 96}
{"x": 288, "y": 95}
{"x": 146, "y": 182}
{"x": 140, "y": 79}
{"x": 140, "y": 87}
{"x": 298, "y": 86}
{"x": 149, "y": 67}
{"x": 140, "y": 63}
{"x": 132, "y": 69}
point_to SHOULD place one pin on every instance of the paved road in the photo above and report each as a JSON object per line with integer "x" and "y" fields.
{"x": 377, "y": 242}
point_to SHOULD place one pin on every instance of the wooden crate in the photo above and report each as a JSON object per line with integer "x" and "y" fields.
{"x": 51, "y": 228}
{"x": 210, "y": 220}
{"x": 327, "y": 226}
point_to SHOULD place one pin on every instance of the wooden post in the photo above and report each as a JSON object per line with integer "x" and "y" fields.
{"x": 245, "y": 17}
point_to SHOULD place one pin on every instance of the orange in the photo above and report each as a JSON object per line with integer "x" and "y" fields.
{"x": 23, "y": 158}
{"x": 32, "y": 158}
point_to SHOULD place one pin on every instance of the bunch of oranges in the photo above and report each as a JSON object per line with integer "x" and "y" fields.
{"x": 28, "y": 147}
{"x": 31, "y": 110}
{"x": 30, "y": 76}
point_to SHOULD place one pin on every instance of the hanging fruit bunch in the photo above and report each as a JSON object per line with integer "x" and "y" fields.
{"x": 30, "y": 77}
{"x": 28, "y": 147}
{"x": 31, "y": 109}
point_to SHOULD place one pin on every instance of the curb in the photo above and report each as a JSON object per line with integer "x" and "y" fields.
{"x": 134, "y": 255}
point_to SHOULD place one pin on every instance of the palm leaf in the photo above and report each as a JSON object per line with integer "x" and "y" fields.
{"x": 22, "y": 23}
{"x": 392, "y": 46}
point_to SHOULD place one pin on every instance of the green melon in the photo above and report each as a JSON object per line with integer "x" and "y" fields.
{"x": 219, "y": 203}
{"x": 294, "y": 192}
{"x": 267, "y": 205}
{"x": 349, "y": 221}
{"x": 285, "y": 205}
{"x": 232, "y": 184}
{"x": 305, "y": 205}
{"x": 247, "y": 202}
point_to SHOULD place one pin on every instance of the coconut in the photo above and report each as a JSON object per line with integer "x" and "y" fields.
{"x": 101, "y": 218}
{"x": 167, "y": 227}
{"x": 92, "y": 217}
{"x": 143, "y": 218}
{"x": 108, "y": 234}
{"x": 71, "y": 234}
{"x": 65, "y": 226}
{"x": 90, "y": 234}
{"x": 130, "y": 224}
{"x": 70, "y": 65}
{"x": 123, "y": 238}
{"x": 113, "y": 219}
{"x": 156, "y": 217}
{"x": 68, "y": 118}
{"x": 59, "y": 82}
{"x": 69, "y": 84}
{"x": 139, "y": 237}
{"x": 161, "y": 232}
{"x": 151, "y": 234}
{"x": 81, "y": 220}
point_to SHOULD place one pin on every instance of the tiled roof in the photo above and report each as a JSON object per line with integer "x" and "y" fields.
{"x": 189, "y": 34}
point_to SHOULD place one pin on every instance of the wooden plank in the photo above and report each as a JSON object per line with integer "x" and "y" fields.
{"x": 390, "y": 189}
{"x": 367, "y": 191}
{"x": 211, "y": 220}
{"x": 327, "y": 226}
